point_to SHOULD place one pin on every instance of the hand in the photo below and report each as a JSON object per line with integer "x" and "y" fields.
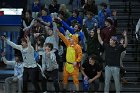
{"x": 36, "y": 34}
{"x": 95, "y": 24}
{"x": 85, "y": 77}
{"x": 3, "y": 54}
{"x": 98, "y": 31}
{"x": 27, "y": 38}
{"x": 3, "y": 38}
{"x": 124, "y": 33}
{"x": 90, "y": 81}
{"x": 15, "y": 79}
{"x": 75, "y": 64}
{"x": 59, "y": 18}
{"x": 40, "y": 19}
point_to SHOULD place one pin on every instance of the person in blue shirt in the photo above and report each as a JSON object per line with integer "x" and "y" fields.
{"x": 36, "y": 7}
{"x": 103, "y": 14}
{"x": 18, "y": 73}
{"x": 45, "y": 18}
{"x": 75, "y": 17}
{"x": 91, "y": 21}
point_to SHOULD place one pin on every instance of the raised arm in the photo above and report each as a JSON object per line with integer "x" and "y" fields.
{"x": 138, "y": 26}
{"x": 125, "y": 39}
{"x": 71, "y": 30}
{"x": 6, "y": 61}
{"x": 65, "y": 40}
{"x": 99, "y": 37}
{"x": 19, "y": 47}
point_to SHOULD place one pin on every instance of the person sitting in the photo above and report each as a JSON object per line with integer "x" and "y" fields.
{"x": 18, "y": 73}
{"x": 91, "y": 72}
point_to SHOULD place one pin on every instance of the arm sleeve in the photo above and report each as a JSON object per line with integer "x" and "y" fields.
{"x": 65, "y": 40}
{"x": 68, "y": 27}
{"x": 8, "y": 62}
{"x": 18, "y": 47}
{"x": 43, "y": 62}
{"x": 79, "y": 54}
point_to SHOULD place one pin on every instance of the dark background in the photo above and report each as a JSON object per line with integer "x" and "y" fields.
{"x": 13, "y": 3}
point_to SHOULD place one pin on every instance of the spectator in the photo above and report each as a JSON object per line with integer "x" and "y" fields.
{"x": 30, "y": 66}
{"x": 27, "y": 21}
{"x": 18, "y": 73}
{"x": 108, "y": 30}
{"x": 39, "y": 48}
{"x": 50, "y": 67}
{"x": 36, "y": 7}
{"x": 112, "y": 60}
{"x": 114, "y": 18}
{"x": 93, "y": 44}
{"x": 90, "y": 6}
{"x": 103, "y": 14}
{"x": 54, "y": 7}
{"x": 76, "y": 4}
{"x": 45, "y": 18}
{"x": 36, "y": 30}
{"x": 91, "y": 21}
{"x": 73, "y": 58}
{"x": 65, "y": 11}
{"x": 122, "y": 69}
{"x": 52, "y": 38}
{"x": 75, "y": 17}
{"x": 91, "y": 72}
{"x": 76, "y": 30}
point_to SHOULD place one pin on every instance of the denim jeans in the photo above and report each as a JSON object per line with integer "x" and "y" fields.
{"x": 109, "y": 72}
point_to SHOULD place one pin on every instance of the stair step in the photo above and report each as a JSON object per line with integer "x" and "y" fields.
{"x": 132, "y": 85}
{"x": 137, "y": 69}
{"x": 132, "y": 79}
{"x": 132, "y": 74}
{"x": 122, "y": 3}
{"x": 130, "y": 90}
{"x": 131, "y": 64}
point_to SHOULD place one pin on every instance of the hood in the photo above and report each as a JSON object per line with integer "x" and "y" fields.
{"x": 75, "y": 38}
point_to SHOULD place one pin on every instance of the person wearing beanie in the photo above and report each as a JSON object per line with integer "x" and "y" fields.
{"x": 108, "y": 30}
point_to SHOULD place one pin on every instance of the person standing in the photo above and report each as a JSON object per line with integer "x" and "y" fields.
{"x": 18, "y": 73}
{"x": 50, "y": 67}
{"x": 112, "y": 60}
{"x": 29, "y": 63}
{"x": 73, "y": 59}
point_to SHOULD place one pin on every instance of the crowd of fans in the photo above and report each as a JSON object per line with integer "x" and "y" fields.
{"x": 53, "y": 39}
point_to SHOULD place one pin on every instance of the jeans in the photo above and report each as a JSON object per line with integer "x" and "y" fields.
{"x": 8, "y": 84}
{"x": 115, "y": 72}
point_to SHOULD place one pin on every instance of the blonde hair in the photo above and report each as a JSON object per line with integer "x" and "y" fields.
{"x": 63, "y": 8}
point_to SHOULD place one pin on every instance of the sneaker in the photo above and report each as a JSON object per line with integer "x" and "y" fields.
{"x": 45, "y": 92}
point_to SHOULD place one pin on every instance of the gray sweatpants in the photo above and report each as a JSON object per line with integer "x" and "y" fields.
{"x": 8, "y": 84}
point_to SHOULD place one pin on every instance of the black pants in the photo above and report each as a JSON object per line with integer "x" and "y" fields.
{"x": 32, "y": 74}
{"x": 54, "y": 76}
